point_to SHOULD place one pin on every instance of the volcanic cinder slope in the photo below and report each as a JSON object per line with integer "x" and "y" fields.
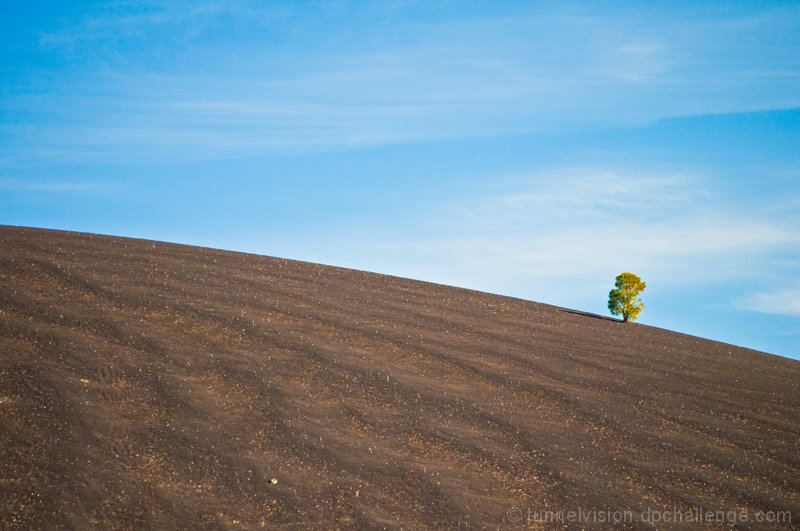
{"x": 153, "y": 385}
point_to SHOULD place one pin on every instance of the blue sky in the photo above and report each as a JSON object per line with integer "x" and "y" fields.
{"x": 529, "y": 149}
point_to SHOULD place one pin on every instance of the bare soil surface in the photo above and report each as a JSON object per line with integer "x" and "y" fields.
{"x": 153, "y": 385}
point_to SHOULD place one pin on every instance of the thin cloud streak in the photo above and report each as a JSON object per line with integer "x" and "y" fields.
{"x": 19, "y": 185}
{"x": 783, "y": 302}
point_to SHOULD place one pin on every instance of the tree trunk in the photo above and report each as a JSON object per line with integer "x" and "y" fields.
{"x": 624, "y": 317}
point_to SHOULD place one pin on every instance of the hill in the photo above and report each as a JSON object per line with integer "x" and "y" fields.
{"x": 155, "y": 385}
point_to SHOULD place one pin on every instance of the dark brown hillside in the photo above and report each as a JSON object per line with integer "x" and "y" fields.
{"x": 153, "y": 385}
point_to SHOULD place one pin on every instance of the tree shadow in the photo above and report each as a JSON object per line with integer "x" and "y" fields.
{"x": 593, "y": 315}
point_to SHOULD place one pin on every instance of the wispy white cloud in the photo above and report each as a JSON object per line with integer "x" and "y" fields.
{"x": 636, "y": 62}
{"x": 597, "y": 191}
{"x": 781, "y": 302}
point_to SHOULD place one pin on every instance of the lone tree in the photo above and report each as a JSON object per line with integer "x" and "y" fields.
{"x": 624, "y": 298}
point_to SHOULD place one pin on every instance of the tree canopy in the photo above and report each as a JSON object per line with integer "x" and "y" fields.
{"x": 624, "y": 298}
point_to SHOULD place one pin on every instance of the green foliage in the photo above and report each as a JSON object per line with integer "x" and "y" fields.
{"x": 624, "y": 298}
